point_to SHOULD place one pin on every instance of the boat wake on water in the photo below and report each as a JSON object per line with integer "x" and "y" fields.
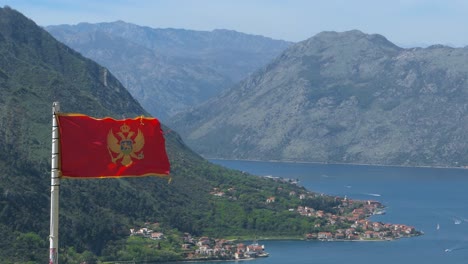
{"x": 373, "y": 194}
{"x": 454, "y": 249}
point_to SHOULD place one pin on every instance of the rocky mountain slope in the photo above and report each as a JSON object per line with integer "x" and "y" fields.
{"x": 170, "y": 70}
{"x": 342, "y": 97}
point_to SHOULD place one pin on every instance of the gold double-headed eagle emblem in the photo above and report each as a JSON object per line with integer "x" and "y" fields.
{"x": 126, "y": 148}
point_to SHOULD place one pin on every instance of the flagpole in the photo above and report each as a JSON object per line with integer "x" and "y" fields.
{"x": 54, "y": 188}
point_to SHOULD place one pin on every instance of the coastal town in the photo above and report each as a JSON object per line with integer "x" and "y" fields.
{"x": 206, "y": 248}
{"x": 349, "y": 223}
{"x": 352, "y": 215}
{"x": 361, "y": 228}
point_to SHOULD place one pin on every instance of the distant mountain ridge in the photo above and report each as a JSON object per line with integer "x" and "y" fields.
{"x": 346, "y": 97}
{"x": 170, "y": 70}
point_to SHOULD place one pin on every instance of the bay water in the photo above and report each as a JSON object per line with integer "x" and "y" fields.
{"x": 433, "y": 200}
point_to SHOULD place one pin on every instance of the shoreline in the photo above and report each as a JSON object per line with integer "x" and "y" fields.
{"x": 341, "y": 163}
{"x": 213, "y": 260}
{"x": 300, "y": 238}
{"x": 282, "y": 239}
{"x": 286, "y": 239}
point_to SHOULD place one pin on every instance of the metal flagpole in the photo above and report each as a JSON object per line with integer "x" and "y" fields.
{"x": 54, "y": 188}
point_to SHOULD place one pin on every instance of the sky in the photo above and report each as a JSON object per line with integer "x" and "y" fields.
{"x": 407, "y": 23}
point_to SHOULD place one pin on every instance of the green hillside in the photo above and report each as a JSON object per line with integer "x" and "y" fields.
{"x": 96, "y": 215}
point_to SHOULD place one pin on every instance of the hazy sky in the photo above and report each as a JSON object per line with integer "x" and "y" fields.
{"x": 404, "y": 22}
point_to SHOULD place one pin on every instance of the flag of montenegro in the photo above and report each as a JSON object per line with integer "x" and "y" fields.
{"x": 105, "y": 148}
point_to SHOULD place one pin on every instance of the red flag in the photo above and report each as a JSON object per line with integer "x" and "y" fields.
{"x": 104, "y": 148}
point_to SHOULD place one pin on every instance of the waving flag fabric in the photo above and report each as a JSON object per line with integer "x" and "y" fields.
{"x": 104, "y": 148}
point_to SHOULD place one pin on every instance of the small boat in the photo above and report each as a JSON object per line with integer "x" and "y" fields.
{"x": 379, "y": 212}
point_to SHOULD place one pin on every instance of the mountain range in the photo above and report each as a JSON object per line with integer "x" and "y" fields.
{"x": 170, "y": 70}
{"x": 342, "y": 97}
{"x": 96, "y": 215}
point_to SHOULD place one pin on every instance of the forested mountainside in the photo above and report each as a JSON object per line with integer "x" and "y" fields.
{"x": 170, "y": 70}
{"x": 96, "y": 215}
{"x": 342, "y": 97}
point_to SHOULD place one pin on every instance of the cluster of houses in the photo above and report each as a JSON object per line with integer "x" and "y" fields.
{"x": 146, "y": 232}
{"x": 227, "y": 194}
{"x": 367, "y": 231}
{"x": 220, "y": 249}
{"x": 365, "y": 210}
{"x": 360, "y": 227}
{"x": 206, "y": 248}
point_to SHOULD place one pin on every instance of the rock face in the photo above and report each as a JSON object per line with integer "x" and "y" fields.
{"x": 342, "y": 97}
{"x": 170, "y": 70}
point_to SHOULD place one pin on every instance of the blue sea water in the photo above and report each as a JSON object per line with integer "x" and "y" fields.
{"x": 433, "y": 200}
